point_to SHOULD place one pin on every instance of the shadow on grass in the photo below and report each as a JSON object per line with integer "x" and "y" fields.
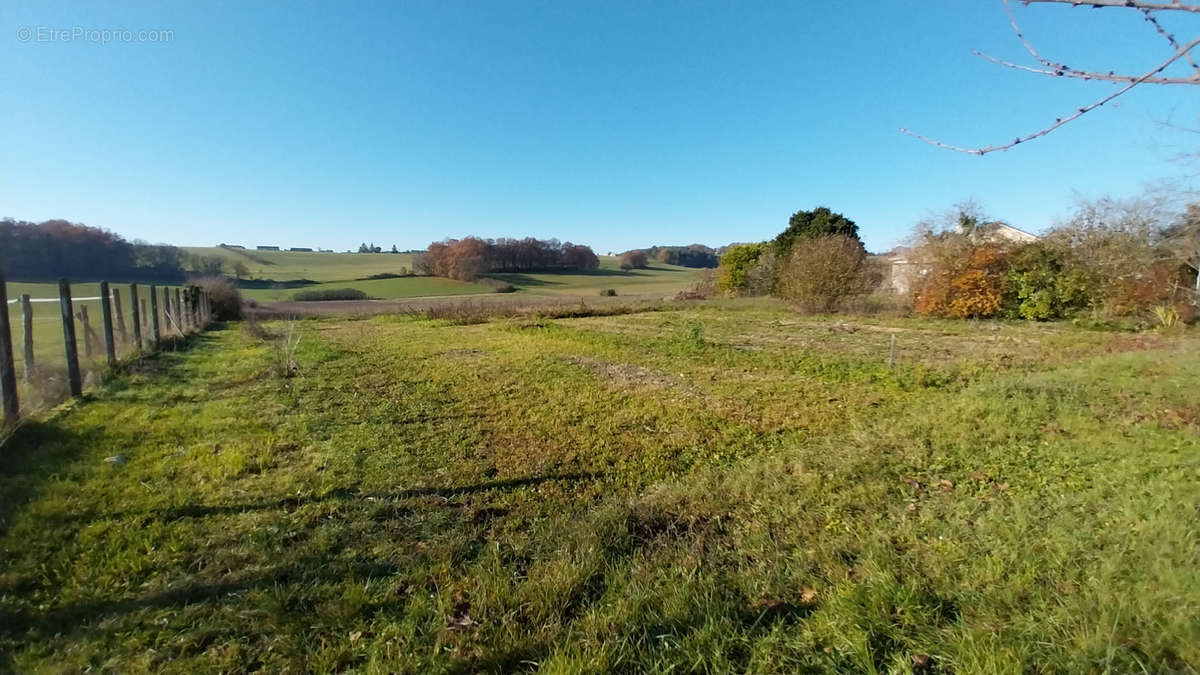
{"x": 340, "y": 494}
{"x": 304, "y": 570}
{"x": 272, "y": 284}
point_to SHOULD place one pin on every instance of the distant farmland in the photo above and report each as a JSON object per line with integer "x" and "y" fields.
{"x": 351, "y": 270}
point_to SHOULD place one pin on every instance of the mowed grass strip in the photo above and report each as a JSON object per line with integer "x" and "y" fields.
{"x": 725, "y": 489}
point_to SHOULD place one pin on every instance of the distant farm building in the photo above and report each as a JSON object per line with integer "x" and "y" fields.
{"x": 905, "y": 265}
{"x": 267, "y": 248}
{"x": 301, "y": 250}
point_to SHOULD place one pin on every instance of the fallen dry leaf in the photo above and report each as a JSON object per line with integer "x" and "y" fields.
{"x": 808, "y": 595}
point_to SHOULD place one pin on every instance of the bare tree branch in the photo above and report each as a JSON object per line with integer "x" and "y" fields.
{"x": 1180, "y": 53}
{"x": 1056, "y": 69}
{"x": 1064, "y": 71}
{"x": 1169, "y": 37}
{"x": 1131, "y": 4}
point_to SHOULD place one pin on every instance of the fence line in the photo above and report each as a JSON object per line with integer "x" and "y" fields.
{"x": 191, "y": 312}
{"x": 16, "y": 300}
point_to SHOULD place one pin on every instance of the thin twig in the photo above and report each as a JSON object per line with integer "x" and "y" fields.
{"x": 1131, "y": 4}
{"x": 1056, "y": 69}
{"x": 1169, "y": 37}
{"x": 1063, "y": 120}
{"x": 1086, "y": 74}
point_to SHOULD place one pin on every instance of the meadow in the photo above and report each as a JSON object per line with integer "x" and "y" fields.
{"x": 338, "y": 271}
{"x": 710, "y": 487}
{"x": 352, "y": 270}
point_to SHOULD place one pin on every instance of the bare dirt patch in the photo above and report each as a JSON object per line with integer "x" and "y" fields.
{"x": 628, "y": 374}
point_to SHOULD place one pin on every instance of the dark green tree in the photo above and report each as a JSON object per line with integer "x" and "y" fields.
{"x": 820, "y": 222}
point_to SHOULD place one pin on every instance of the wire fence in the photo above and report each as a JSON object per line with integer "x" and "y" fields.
{"x": 53, "y": 348}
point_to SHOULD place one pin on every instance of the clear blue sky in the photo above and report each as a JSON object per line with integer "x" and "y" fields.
{"x": 610, "y": 123}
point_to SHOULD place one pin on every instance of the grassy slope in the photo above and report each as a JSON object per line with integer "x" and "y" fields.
{"x": 660, "y": 279}
{"x": 343, "y": 270}
{"x": 718, "y": 489}
{"x": 288, "y": 265}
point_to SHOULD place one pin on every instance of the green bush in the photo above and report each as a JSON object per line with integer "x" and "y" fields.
{"x": 608, "y": 292}
{"x": 733, "y": 274}
{"x": 225, "y": 298}
{"x": 329, "y": 294}
{"x": 1044, "y": 286}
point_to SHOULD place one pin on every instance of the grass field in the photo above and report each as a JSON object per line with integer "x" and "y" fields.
{"x": 725, "y": 488}
{"x": 387, "y": 289}
{"x": 320, "y": 267}
{"x": 349, "y": 270}
{"x": 343, "y": 270}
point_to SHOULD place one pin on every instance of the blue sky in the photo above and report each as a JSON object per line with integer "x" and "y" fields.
{"x": 615, "y": 124}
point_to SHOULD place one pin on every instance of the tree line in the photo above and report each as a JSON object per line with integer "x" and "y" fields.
{"x": 469, "y": 258}
{"x": 58, "y": 248}
{"x": 695, "y": 255}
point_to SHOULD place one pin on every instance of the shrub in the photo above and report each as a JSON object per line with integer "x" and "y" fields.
{"x": 225, "y": 298}
{"x": 498, "y": 286}
{"x": 815, "y": 224}
{"x": 965, "y": 280}
{"x": 387, "y": 275}
{"x": 635, "y": 259}
{"x": 318, "y": 295}
{"x": 1167, "y": 316}
{"x": 1043, "y": 284}
{"x": 703, "y": 288}
{"x": 609, "y": 292}
{"x": 819, "y": 273}
{"x": 733, "y": 272}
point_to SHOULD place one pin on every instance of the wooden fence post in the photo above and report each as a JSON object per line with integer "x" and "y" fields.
{"x": 170, "y": 318}
{"x": 110, "y": 349}
{"x": 136, "y": 315}
{"x": 120, "y": 317}
{"x": 179, "y": 311}
{"x": 68, "y": 318}
{"x": 197, "y": 318}
{"x": 154, "y": 315}
{"x": 892, "y": 353}
{"x": 8, "y": 369}
{"x": 82, "y": 315}
{"x": 27, "y": 324}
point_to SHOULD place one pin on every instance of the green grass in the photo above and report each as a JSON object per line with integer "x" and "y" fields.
{"x": 385, "y": 289}
{"x": 320, "y": 267}
{"x": 659, "y": 279}
{"x": 348, "y": 270}
{"x": 726, "y": 488}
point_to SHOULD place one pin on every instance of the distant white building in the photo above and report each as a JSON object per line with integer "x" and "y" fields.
{"x": 905, "y": 266}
